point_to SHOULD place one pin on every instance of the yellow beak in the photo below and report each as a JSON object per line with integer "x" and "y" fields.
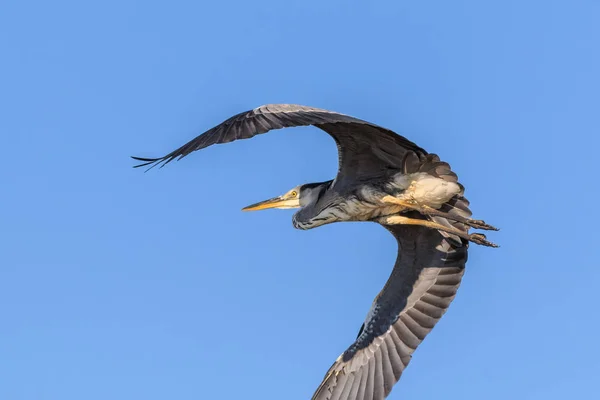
{"x": 275, "y": 202}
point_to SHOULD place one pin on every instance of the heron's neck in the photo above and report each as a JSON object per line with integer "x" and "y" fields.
{"x": 308, "y": 218}
{"x": 315, "y": 198}
{"x": 361, "y": 204}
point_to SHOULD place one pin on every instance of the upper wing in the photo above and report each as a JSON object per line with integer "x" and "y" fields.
{"x": 427, "y": 274}
{"x": 364, "y": 148}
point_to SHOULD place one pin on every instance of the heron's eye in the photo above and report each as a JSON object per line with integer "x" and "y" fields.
{"x": 294, "y": 193}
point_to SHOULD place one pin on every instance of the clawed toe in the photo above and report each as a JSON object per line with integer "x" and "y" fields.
{"x": 479, "y": 224}
{"x": 480, "y": 238}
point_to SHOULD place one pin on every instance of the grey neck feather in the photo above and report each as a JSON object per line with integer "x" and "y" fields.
{"x": 314, "y": 197}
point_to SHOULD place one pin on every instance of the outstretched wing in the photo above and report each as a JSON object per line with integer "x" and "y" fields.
{"x": 364, "y": 149}
{"x": 427, "y": 274}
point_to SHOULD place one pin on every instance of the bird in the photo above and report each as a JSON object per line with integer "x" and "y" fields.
{"x": 387, "y": 179}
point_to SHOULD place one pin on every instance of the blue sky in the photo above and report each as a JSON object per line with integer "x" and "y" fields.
{"x": 115, "y": 284}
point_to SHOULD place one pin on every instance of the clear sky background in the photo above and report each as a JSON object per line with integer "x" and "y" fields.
{"x": 115, "y": 284}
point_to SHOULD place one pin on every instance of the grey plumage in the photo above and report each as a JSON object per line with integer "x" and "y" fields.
{"x": 430, "y": 262}
{"x": 423, "y": 283}
{"x": 357, "y": 153}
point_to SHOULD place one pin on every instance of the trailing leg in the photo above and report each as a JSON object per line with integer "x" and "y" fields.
{"x": 401, "y": 220}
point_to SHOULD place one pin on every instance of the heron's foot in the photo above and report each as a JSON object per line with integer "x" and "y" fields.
{"x": 426, "y": 210}
{"x": 480, "y": 238}
{"x": 476, "y": 238}
{"x": 479, "y": 224}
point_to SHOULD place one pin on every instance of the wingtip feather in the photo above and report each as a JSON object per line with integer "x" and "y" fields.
{"x": 146, "y": 161}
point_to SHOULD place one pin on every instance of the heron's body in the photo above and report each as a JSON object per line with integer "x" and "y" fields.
{"x": 387, "y": 179}
{"x": 364, "y": 202}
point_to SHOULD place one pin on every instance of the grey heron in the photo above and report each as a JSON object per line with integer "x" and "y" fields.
{"x": 383, "y": 178}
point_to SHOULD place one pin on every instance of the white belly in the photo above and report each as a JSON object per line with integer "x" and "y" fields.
{"x": 425, "y": 189}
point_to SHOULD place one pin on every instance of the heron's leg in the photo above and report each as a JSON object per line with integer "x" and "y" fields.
{"x": 401, "y": 220}
{"x": 426, "y": 210}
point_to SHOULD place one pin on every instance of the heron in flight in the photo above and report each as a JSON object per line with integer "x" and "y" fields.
{"x": 383, "y": 178}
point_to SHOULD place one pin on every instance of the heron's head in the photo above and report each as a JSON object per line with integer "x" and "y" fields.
{"x": 300, "y": 196}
